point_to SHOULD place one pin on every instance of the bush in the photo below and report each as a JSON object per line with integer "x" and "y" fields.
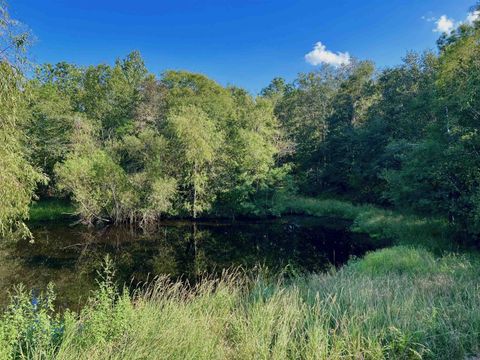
{"x": 99, "y": 186}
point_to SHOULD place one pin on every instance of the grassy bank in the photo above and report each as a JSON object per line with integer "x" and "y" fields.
{"x": 402, "y": 302}
{"x": 384, "y": 226}
{"x": 397, "y": 303}
{"x": 49, "y": 210}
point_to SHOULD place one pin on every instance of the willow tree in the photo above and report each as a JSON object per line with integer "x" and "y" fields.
{"x": 195, "y": 141}
{"x": 18, "y": 179}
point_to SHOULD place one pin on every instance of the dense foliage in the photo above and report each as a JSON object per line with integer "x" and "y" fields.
{"x": 406, "y": 136}
{"x": 18, "y": 178}
{"x": 127, "y": 146}
{"x": 130, "y": 147}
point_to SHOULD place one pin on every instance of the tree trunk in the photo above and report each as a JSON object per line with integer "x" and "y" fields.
{"x": 194, "y": 203}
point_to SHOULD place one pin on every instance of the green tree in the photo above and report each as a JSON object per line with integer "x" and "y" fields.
{"x": 109, "y": 95}
{"x": 50, "y": 127}
{"x": 303, "y": 112}
{"x": 437, "y": 170}
{"x": 18, "y": 179}
{"x": 195, "y": 140}
{"x": 340, "y": 151}
{"x": 99, "y": 186}
{"x": 251, "y": 156}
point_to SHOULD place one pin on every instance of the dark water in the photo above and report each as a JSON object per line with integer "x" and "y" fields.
{"x": 70, "y": 256}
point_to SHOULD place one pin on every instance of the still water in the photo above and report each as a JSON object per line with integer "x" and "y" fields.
{"x": 70, "y": 256}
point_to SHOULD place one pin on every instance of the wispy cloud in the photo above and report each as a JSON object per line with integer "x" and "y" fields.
{"x": 429, "y": 18}
{"x": 320, "y": 55}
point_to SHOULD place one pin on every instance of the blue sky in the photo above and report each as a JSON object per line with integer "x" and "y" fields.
{"x": 245, "y": 43}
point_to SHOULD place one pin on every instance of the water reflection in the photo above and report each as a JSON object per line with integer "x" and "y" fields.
{"x": 71, "y": 256}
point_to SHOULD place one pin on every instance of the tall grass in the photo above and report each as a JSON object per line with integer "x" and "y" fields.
{"x": 397, "y": 303}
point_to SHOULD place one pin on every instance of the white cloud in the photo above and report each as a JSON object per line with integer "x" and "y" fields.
{"x": 444, "y": 24}
{"x": 472, "y": 17}
{"x": 320, "y": 55}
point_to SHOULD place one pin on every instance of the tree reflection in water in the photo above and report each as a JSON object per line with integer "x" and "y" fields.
{"x": 70, "y": 256}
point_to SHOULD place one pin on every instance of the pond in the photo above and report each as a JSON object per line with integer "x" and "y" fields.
{"x": 71, "y": 256}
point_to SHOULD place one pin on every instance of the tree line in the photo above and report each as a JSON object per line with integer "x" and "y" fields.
{"x": 404, "y": 137}
{"x": 128, "y": 146}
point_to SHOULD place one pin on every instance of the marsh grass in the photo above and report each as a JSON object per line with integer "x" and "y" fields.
{"x": 385, "y": 227}
{"x": 49, "y": 210}
{"x": 397, "y": 303}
